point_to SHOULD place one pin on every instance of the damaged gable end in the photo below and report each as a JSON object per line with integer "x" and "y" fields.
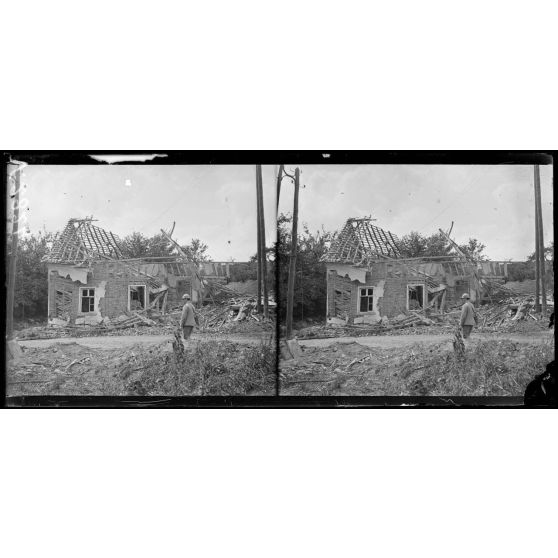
{"x": 355, "y": 290}
{"x": 88, "y": 281}
{"x": 368, "y": 281}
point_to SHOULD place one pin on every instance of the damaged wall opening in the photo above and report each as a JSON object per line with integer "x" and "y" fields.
{"x": 87, "y": 300}
{"x": 136, "y": 297}
{"x": 415, "y": 296}
{"x": 63, "y": 303}
{"x": 366, "y": 299}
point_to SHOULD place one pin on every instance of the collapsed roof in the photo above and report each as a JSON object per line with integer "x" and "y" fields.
{"x": 81, "y": 241}
{"x": 360, "y": 242}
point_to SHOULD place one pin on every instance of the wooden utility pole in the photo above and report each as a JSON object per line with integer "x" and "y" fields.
{"x": 292, "y": 262}
{"x": 537, "y": 262}
{"x": 279, "y": 178}
{"x": 261, "y": 229}
{"x": 13, "y": 256}
{"x": 259, "y": 255}
{"x": 540, "y": 239}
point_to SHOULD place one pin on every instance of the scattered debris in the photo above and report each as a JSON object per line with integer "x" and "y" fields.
{"x": 226, "y": 313}
{"x": 210, "y": 367}
{"x": 506, "y": 313}
{"x": 493, "y": 367}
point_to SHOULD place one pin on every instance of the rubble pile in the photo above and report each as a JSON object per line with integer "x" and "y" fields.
{"x": 130, "y": 319}
{"x": 507, "y": 313}
{"x": 385, "y": 326}
{"x": 229, "y": 310}
{"x": 218, "y": 317}
{"x": 514, "y": 313}
{"x": 124, "y": 321}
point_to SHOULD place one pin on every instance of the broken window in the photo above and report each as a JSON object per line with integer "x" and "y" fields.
{"x": 366, "y": 299}
{"x": 415, "y": 297}
{"x": 136, "y": 297}
{"x": 87, "y": 300}
{"x": 63, "y": 302}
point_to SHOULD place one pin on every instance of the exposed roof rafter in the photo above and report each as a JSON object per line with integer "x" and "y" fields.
{"x": 81, "y": 242}
{"x": 360, "y": 242}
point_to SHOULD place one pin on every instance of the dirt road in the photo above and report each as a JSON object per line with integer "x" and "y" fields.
{"x": 388, "y": 342}
{"x": 123, "y": 341}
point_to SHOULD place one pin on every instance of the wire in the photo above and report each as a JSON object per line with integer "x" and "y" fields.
{"x": 465, "y": 190}
{"x": 165, "y": 211}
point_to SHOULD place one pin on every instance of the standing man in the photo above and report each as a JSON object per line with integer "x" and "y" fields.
{"x": 468, "y": 316}
{"x": 187, "y": 318}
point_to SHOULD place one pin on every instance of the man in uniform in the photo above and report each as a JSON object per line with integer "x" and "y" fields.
{"x": 187, "y": 318}
{"x": 468, "y": 316}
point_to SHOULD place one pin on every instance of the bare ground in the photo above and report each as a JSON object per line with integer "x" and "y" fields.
{"x": 122, "y": 341}
{"x": 407, "y": 340}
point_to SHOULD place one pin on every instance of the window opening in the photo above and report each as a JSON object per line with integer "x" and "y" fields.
{"x": 366, "y": 303}
{"x": 87, "y": 300}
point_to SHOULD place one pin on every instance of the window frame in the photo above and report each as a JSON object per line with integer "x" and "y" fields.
{"x": 359, "y": 298}
{"x": 82, "y": 296}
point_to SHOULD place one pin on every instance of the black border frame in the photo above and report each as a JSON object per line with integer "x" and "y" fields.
{"x": 335, "y": 157}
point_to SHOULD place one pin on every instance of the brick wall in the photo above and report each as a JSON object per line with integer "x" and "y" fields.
{"x": 343, "y": 293}
{"x": 394, "y": 300}
{"x": 117, "y": 278}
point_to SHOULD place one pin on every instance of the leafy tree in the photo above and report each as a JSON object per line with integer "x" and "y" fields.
{"x": 137, "y": 245}
{"x": 474, "y": 248}
{"x": 549, "y": 266}
{"x": 413, "y": 245}
{"x": 310, "y": 293}
{"x": 521, "y": 271}
{"x": 31, "y": 286}
{"x": 548, "y": 253}
{"x": 158, "y": 245}
{"x": 416, "y": 245}
{"x": 196, "y": 250}
{"x": 438, "y": 245}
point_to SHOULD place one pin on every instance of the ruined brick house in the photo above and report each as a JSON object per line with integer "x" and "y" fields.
{"x": 368, "y": 279}
{"x": 90, "y": 281}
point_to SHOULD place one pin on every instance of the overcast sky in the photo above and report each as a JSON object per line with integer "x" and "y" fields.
{"x": 494, "y": 203}
{"x": 216, "y": 204}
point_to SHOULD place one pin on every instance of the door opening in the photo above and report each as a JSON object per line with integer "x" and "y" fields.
{"x": 415, "y": 297}
{"x": 136, "y": 297}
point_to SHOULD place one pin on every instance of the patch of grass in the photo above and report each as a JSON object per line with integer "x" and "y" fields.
{"x": 209, "y": 368}
{"x": 490, "y": 368}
